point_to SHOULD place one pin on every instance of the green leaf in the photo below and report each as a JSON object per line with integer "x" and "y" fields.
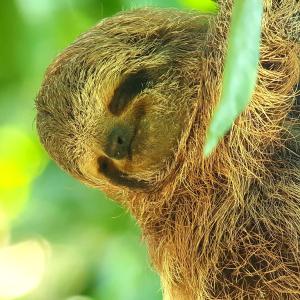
{"x": 240, "y": 70}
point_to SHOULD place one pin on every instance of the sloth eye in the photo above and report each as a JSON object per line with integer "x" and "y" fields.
{"x": 131, "y": 86}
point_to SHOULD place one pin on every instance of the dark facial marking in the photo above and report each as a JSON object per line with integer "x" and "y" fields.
{"x": 131, "y": 86}
{"x": 109, "y": 170}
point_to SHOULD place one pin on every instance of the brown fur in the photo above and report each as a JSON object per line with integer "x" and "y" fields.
{"x": 227, "y": 227}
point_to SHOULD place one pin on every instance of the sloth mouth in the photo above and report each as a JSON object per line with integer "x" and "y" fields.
{"x": 117, "y": 177}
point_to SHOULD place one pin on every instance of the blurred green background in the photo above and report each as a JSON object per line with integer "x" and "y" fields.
{"x": 59, "y": 240}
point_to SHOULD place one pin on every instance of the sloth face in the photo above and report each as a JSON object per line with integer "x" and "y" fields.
{"x": 114, "y": 104}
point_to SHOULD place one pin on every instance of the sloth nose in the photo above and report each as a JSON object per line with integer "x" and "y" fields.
{"x": 118, "y": 142}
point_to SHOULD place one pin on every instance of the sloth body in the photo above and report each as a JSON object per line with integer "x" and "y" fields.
{"x": 125, "y": 109}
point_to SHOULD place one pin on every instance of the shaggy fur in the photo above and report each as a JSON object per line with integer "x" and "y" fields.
{"x": 226, "y": 227}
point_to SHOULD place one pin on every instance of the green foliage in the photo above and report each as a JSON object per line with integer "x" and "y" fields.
{"x": 203, "y": 6}
{"x": 141, "y": 3}
{"x": 240, "y": 71}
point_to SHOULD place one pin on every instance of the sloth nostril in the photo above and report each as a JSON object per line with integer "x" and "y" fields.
{"x": 120, "y": 141}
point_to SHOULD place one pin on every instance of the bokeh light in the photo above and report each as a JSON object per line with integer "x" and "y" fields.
{"x": 21, "y": 268}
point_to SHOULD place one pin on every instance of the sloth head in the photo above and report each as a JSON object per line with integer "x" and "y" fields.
{"x": 114, "y": 104}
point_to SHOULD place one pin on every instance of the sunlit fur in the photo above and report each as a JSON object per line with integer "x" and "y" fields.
{"x": 226, "y": 227}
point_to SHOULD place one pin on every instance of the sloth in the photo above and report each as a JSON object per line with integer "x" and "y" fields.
{"x": 125, "y": 109}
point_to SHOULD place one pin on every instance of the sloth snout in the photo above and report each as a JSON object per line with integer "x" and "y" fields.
{"x": 118, "y": 143}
